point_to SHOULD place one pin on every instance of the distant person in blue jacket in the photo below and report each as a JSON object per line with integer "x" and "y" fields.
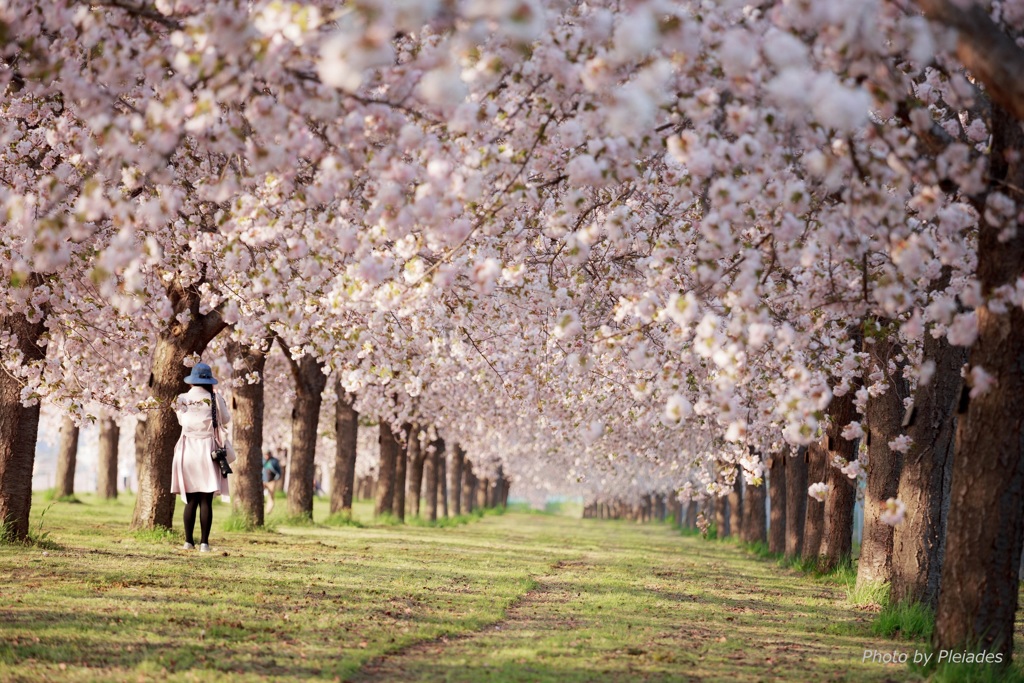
{"x": 271, "y": 473}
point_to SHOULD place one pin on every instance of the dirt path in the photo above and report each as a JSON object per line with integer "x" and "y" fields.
{"x": 526, "y": 617}
{"x": 643, "y": 604}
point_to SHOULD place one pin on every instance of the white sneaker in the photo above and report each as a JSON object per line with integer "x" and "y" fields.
{"x": 188, "y": 546}
{"x": 204, "y": 547}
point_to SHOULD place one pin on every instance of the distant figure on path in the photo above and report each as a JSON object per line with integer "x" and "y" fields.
{"x": 202, "y": 414}
{"x": 271, "y": 473}
{"x": 318, "y": 489}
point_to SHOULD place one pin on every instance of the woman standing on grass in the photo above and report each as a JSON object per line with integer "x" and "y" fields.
{"x": 194, "y": 474}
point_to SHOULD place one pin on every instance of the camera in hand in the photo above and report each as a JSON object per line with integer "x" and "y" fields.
{"x": 220, "y": 456}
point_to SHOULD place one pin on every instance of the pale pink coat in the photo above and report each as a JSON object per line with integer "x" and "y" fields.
{"x": 193, "y": 470}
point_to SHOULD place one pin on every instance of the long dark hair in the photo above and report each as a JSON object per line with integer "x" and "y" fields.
{"x": 213, "y": 402}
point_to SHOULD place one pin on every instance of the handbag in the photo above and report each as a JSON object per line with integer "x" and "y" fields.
{"x": 220, "y": 452}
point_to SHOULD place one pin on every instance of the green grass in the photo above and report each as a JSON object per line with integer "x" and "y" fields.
{"x": 977, "y": 673}
{"x": 509, "y": 597}
{"x": 909, "y": 620}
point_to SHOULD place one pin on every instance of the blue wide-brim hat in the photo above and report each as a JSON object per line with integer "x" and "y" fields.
{"x": 201, "y": 374}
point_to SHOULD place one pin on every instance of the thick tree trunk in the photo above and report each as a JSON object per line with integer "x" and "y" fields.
{"x": 837, "y": 543}
{"x": 979, "y": 590}
{"x": 481, "y": 494}
{"x": 796, "y": 501}
{"x": 415, "y": 455}
{"x": 247, "y": 404}
{"x": 468, "y": 486}
{"x": 458, "y": 458}
{"x": 777, "y": 502}
{"x": 154, "y": 506}
{"x": 814, "y": 520}
{"x": 431, "y": 473}
{"x": 310, "y": 381}
{"x": 67, "y": 457}
{"x": 19, "y": 427}
{"x": 386, "y": 473}
{"x": 346, "y": 428}
{"x": 691, "y": 515}
{"x": 442, "y": 483}
{"x": 884, "y": 417}
{"x": 754, "y": 518}
{"x": 920, "y": 541}
{"x": 736, "y": 508}
{"x": 106, "y": 466}
{"x": 401, "y": 466}
{"x": 721, "y": 516}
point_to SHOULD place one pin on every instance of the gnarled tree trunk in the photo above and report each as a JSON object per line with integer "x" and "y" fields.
{"x": 346, "y": 426}
{"x": 247, "y": 403}
{"x": 106, "y": 469}
{"x": 884, "y": 422}
{"x": 979, "y": 590}
{"x": 837, "y": 542}
{"x": 19, "y": 427}
{"x": 310, "y": 381}
{"x": 777, "y": 502}
{"x": 154, "y": 506}
{"x": 920, "y": 541}
{"x": 67, "y": 457}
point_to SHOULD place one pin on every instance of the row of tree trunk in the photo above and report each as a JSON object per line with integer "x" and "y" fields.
{"x": 653, "y": 507}
{"x": 420, "y": 478}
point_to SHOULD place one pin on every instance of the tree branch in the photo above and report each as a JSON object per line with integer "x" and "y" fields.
{"x": 985, "y": 49}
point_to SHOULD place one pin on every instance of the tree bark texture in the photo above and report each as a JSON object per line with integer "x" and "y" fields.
{"x": 154, "y": 506}
{"x": 796, "y": 501}
{"x": 920, "y": 541}
{"x": 721, "y": 516}
{"x": 310, "y": 381}
{"x": 431, "y": 472}
{"x": 884, "y": 418}
{"x": 979, "y": 590}
{"x": 481, "y": 494}
{"x": 247, "y": 404}
{"x": 442, "y": 484}
{"x": 754, "y": 518}
{"x": 736, "y": 507}
{"x": 19, "y": 427}
{"x": 106, "y": 466}
{"x": 415, "y": 456}
{"x": 67, "y": 457}
{"x": 837, "y": 542}
{"x": 401, "y": 467}
{"x": 386, "y": 474}
{"x": 346, "y": 429}
{"x": 814, "y": 520}
{"x": 458, "y": 459}
{"x": 777, "y": 503}
{"x": 691, "y": 515}
{"x": 468, "y": 486}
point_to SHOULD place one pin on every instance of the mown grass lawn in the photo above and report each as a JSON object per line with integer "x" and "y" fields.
{"x": 513, "y": 597}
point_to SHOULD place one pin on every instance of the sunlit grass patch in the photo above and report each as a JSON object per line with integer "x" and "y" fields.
{"x": 909, "y": 620}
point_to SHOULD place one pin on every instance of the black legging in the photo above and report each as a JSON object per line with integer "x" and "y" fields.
{"x": 205, "y": 503}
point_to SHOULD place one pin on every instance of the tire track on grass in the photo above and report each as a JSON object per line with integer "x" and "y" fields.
{"x": 521, "y": 613}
